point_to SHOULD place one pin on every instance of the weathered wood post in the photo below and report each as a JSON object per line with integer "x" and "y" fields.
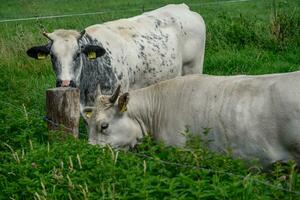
{"x": 63, "y": 109}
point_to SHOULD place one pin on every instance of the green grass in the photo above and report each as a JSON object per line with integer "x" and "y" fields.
{"x": 242, "y": 38}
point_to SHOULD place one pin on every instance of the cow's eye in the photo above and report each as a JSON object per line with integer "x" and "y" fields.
{"x": 104, "y": 126}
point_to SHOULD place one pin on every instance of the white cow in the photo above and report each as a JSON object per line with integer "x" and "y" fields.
{"x": 254, "y": 117}
{"x": 134, "y": 52}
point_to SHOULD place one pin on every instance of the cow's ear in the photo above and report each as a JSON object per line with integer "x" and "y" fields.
{"x": 123, "y": 101}
{"x": 93, "y": 51}
{"x": 38, "y": 52}
{"x": 87, "y": 113}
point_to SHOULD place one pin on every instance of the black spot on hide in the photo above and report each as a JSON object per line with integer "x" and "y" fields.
{"x": 120, "y": 76}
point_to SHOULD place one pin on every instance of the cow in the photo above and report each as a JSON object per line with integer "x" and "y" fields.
{"x": 134, "y": 52}
{"x": 252, "y": 117}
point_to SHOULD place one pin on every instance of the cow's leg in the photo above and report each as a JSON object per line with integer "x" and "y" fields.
{"x": 193, "y": 57}
{"x": 291, "y": 138}
{"x": 193, "y": 66}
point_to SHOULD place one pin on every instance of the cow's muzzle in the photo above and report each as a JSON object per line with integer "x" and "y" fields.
{"x": 65, "y": 83}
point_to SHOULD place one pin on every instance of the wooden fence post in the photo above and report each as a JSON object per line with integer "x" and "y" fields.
{"x": 63, "y": 109}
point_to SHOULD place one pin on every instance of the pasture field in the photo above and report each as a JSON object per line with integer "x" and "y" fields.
{"x": 247, "y": 37}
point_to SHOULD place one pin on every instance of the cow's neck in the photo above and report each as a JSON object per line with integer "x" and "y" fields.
{"x": 95, "y": 72}
{"x": 144, "y": 107}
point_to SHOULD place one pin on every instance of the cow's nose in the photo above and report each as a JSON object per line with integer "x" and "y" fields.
{"x": 72, "y": 84}
{"x": 65, "y": 83}
{"x": 58, "y": 83}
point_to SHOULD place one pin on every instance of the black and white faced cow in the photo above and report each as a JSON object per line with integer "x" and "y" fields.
{"x": 253, "y": 117}
{"x": 134, "y": 52}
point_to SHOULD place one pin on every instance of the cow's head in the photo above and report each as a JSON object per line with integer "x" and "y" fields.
{"x": 110, "y": 123}
{"x": 66, "y": 50}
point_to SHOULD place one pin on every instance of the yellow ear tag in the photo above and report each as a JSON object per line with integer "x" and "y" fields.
{"x": 41, "y": 55}
{"x": 92, "y": 55}
{"x": 88, "y": 115}
{"x": 124, "y": 108}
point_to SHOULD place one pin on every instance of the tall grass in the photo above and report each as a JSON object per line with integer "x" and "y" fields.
{"x": 254, "y": 37}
